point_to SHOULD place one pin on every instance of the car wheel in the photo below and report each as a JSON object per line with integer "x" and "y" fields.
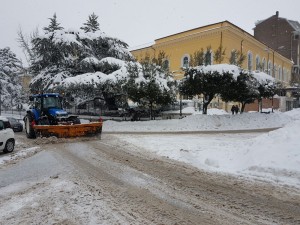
{"x": 28, "y": 127}
{"x": 9, "y": 146}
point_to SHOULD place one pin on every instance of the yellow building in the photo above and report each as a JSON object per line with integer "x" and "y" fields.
{"x": 180, "y": 47}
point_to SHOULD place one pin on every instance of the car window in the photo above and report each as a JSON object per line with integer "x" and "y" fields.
{"x": 12, "y": 120}
{"x": 6, "y": 124}
{"x": 1, "y": 125}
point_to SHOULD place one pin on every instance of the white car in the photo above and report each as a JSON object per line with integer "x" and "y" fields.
{"x": 7, "y": 136}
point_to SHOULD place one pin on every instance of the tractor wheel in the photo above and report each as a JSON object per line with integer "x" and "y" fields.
{"x": 76, "y": 120}
{"x": 28, "y": 127}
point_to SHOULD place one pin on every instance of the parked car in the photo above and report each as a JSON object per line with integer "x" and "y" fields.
{"x": 7, "y": 136}
{"x": 15, "y": 124}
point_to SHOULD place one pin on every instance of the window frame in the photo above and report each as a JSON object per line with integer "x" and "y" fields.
{"x": 250, "y": 61}
{"x": 183, "y": 64}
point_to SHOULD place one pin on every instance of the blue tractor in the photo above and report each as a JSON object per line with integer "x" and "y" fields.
{"x": 46, "y": 109}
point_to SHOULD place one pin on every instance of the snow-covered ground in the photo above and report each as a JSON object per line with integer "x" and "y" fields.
{"x": 272, "y": 156}
{"x": 215, "y": 120}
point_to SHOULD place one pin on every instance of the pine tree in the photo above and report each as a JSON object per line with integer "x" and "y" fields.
{"x": 11, "y": 88}
{"x": 91, "y": 25}
{"x": 54, "y": 25}
{"x": 60, "y": 56}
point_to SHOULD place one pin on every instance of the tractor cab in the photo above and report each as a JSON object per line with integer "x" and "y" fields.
{"x": 45, "y": 101}
{"x": 47, "y": 105}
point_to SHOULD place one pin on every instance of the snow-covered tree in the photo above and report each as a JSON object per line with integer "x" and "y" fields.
{"x": 10, "y": 87}
{"x": 267, "y": 86}
{"x": 205, "y": 81}
{"x": 228, "y": 81}
{"x": 54, "y": 25}
{"x": 91, "y": 25}
{"x": 243, "y": 89}
{"x": 149, "y": 85}
{"x": 62, "y": 57}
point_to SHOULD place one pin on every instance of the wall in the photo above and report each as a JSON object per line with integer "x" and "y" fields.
{"x": 232, "y": 37}
{"x": 266, "y": 104}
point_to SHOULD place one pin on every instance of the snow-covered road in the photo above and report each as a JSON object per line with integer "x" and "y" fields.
{"x": 114, "y": 182}
{"x": 159, "y": 172}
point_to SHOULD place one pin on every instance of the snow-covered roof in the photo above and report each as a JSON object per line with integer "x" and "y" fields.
{"x": 146, "y": 45}
{"x": 294, "y": 24}
{"x": 3, "y": 118}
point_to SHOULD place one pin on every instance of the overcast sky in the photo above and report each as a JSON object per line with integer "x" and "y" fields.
{"x": 137, "y": 22}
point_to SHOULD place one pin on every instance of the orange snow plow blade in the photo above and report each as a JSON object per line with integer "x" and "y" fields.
{"x": 67, "y": 131}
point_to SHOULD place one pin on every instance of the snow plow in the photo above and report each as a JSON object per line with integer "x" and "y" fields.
{"x": 47, "y": 118}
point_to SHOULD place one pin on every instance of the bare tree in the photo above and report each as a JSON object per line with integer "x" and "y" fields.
{"x": 25, "y": 43}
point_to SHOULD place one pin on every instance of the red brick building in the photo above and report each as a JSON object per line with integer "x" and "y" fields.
{"x": 282, "y": 35}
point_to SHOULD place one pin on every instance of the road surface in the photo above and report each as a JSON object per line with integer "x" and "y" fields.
{"x": 108, "y": 182}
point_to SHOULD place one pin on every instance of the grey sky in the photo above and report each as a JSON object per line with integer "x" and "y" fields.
{"x": 136, "y": 22}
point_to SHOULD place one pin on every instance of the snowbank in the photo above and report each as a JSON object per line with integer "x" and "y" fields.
{"x": 201, "y": 122}
{"x": 273, "y": 156}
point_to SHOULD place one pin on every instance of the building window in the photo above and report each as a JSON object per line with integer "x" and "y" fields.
{"x": 279, "y": 73}
{"x": 269, "y": 68}
{"x": 257, "y": 63}
{"x": 284, "y": 74}
{"x": 208, "y": 58}
{"x": 165, "y": 64}
{"x": 263, "y": 65}
{"x": 185, "y": 61}
{"x": 275, "y": 71}
{"x": 233, "y": 57}
{"x": 250, "y": 61}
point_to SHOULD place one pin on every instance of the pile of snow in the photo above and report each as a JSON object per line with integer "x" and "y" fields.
{"x": 193, "y": 111}
{"x": 201, "y": 122}
{"x": 273, "y": 156}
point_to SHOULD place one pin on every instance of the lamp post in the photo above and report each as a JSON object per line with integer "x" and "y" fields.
{"x": 0, "y": 96}
{"x": 180, "y": 106}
